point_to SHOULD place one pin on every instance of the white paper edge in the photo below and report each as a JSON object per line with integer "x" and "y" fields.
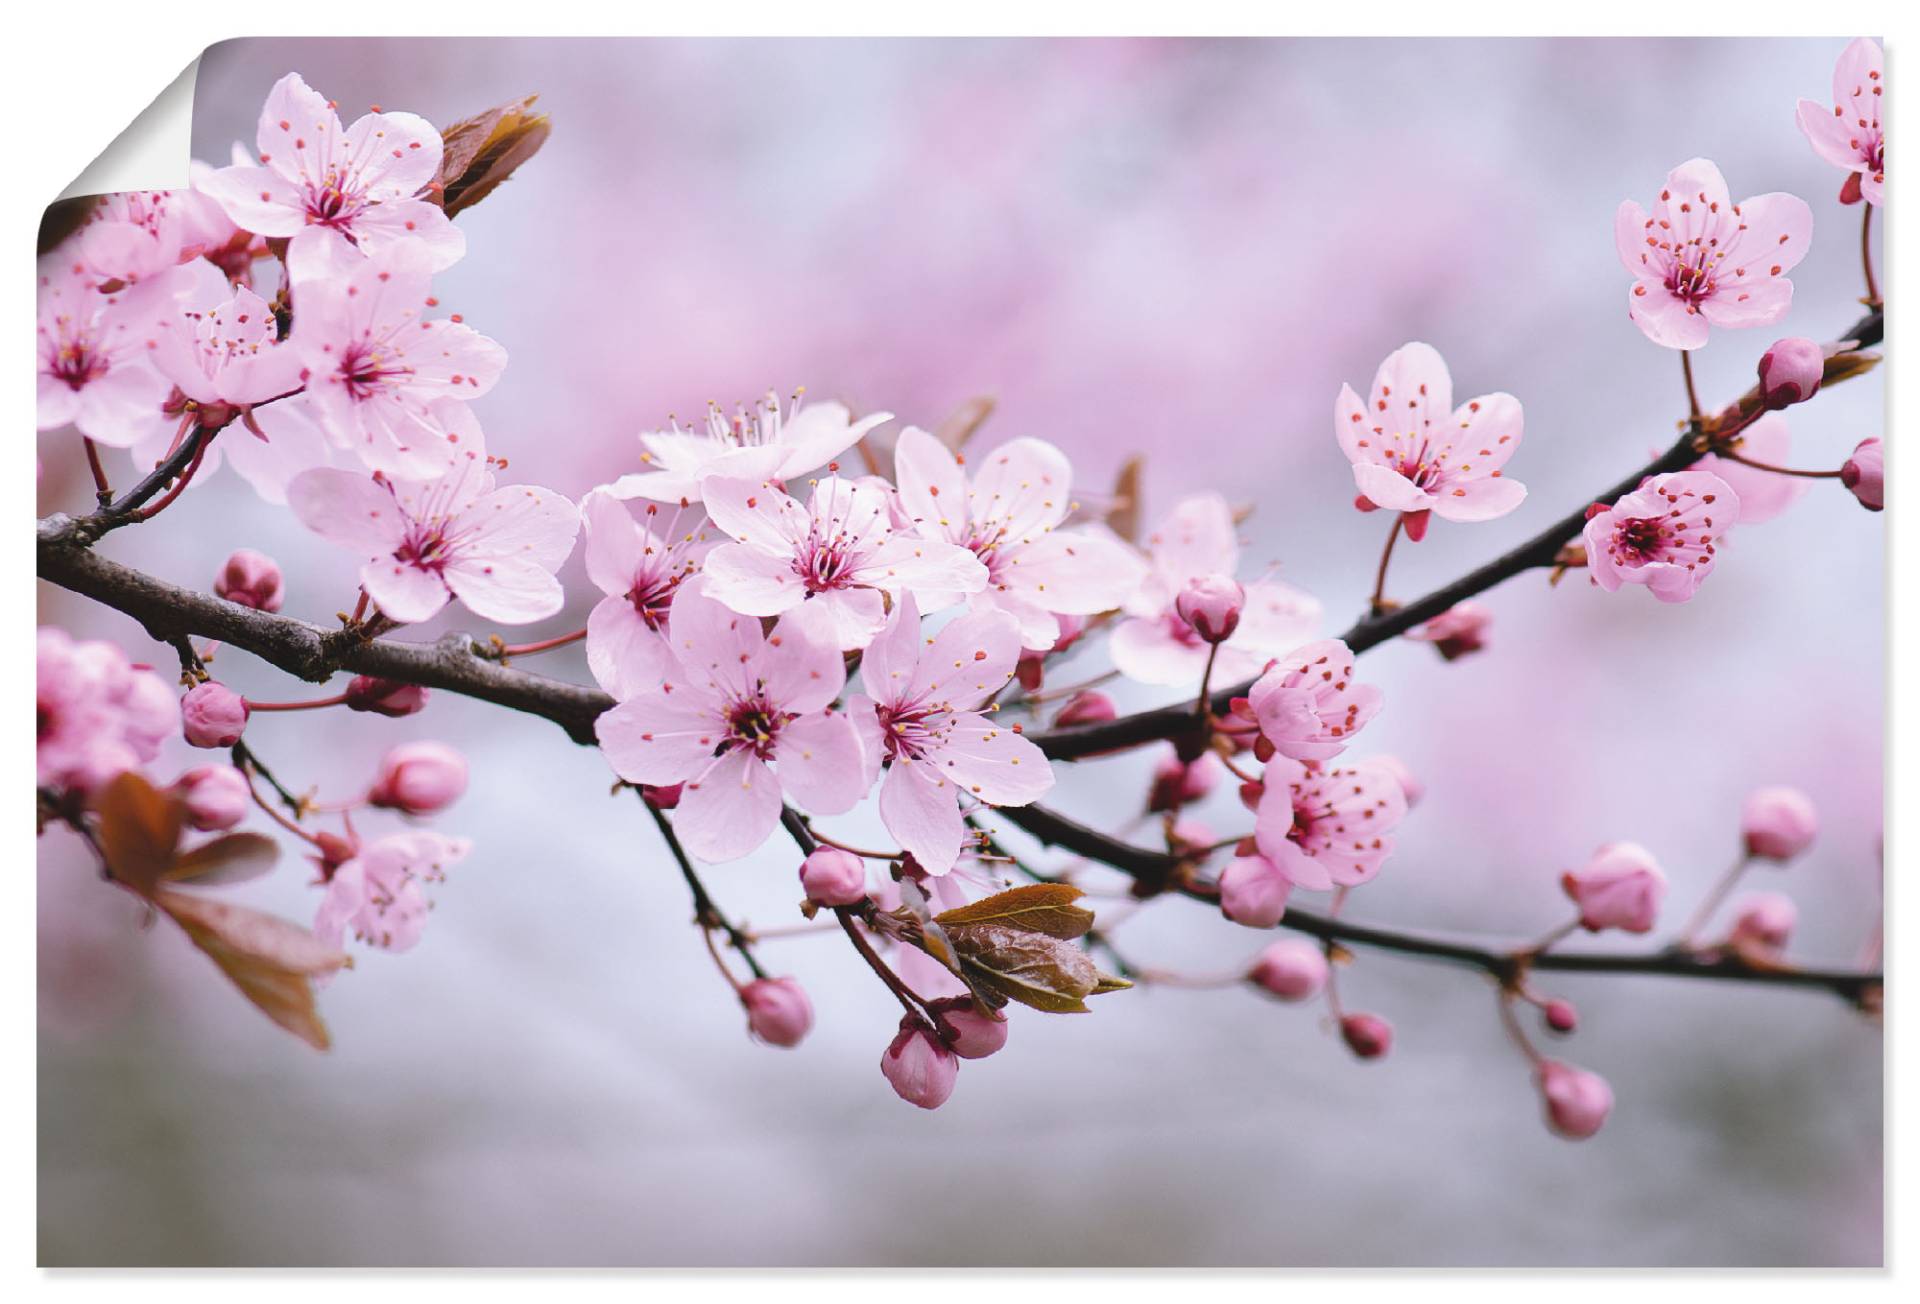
{"x": 153, "y": 152}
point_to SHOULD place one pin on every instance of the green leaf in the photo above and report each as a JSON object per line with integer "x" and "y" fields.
{"x": 1035, "y": 908}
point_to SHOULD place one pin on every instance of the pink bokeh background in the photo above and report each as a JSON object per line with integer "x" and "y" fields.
{"x": 1177, "y": 248}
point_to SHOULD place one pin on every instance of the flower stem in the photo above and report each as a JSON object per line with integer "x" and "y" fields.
{"x": 102, "y": 491}
{"x": 1713, "y": 900}
{"x": 318, "y": 702}
{"x": 1744, "y": 460}
{"x": 186, "y": 478}
{"x": 1866, "y": 255}
{"x": 706, "y": 913}
{"x": 544, "y": 645}
{"x": 1693, "y": 396}
{"x": 1511, "y": 1023}
{"x": 1201, "y": 707}
{"x": 1377, "y": 603}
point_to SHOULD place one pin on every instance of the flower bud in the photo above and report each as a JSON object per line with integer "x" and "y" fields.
{"x": 1086, "y": 707}
{"x": 213, "y": 715}
{"x": 918, "y": 1067}
{"x": 1778, "y": 823}
{"x": 967, "y": 1032}
{"x": 1790, "y": 372}
{"x": 1560, "y": 1016}
{"x": 1367, "y": 1035}
{"x": 662, "y": 798}
{"x": 1577, "y": 1101}
{"x": 1621, "y": 887}
{"x": 419, "y": 778}
{"x": 250, "y": 579}
{"x": 1865, "y": 474}
{"x": 1253, "y": 892}
{"x": 1175, "y": 782}
{"x": 1190, "y": 838}
{"x": 834, "y": 877}
{"x": 215, "y": 797}
{"x": 1292, "y": 969}
{"x": 1410, "y": 787}
{"x": 1211, "y": 604}
{"x": 1763, "y": 923}
{"x": 778, "y": 1011}
{"x": 1460, "y": 629}
{"x": 384, "y": 696}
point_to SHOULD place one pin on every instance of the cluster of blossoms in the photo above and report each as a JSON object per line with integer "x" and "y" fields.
{"x": 784, "y": 640}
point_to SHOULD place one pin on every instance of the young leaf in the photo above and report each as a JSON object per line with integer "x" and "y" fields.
{"x": 1035, "y": 908}
{"x": 139, "y": 831}
{"x": 235, "y": 858}
{"x": 270, "y": 960}
{"x": 964, "y": 422}
{"x": 482, "y": 151}
{"x": 1041, "y": 972}
{"x": 1123, "y": 514}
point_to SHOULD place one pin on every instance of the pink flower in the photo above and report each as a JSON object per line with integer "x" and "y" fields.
{"x": 335, "y": 191}
{"x": 216, "y": 797}
{"x": 1850, "y": 136}
{"x": 1763, "y": 923}
{"x": 1778, "y": 823}
{"x": 419, "y": 778}
{"x": 1460, "y": 629}
{"x": 1662, "y": 535}
{"x": 918, "y": 1066}
{"x": 832, "y": 877}
{"x": 219, "y": 344}
{"x": 1009, "y": 514}
{"x": 213, "y": 715}
{"x": 778, "y": 1011}
{"x": 1293, "y": 969}
{"x": 1331, "y": 828}
{"x": 1308, "y": 704}
{"x": 762, "y": 444}
{"x": 98, "y": 716}
{"x": 92, "y": 365}
{"x": 839, "y": 553}
{"x": 1155, "y": 646}
{"x": 377, "y": 368}
{"x": 1410, "y": 786}
{"x": 742, "y": 720}
{"x": 250, "y": 579}
{"x": 455, "y": 537}
{"x": 1702, "y": 259}
{"x": 380, "y": 893}
{"x": 1865, "y": 474}
{"x": 1577, "y": 1101}
{"x": 1413, "y": 451}
{"x": 133, "y": 235}
{"x": 1254, "y": 892}
{"x": 271, "y": 445}
{"x": 638, "y": 567}
{"x": 967, "y": 1032}
{"x": 1620, "y": 887}
{"x": 921, "y": 716}
{"x": 1763, "y": 494}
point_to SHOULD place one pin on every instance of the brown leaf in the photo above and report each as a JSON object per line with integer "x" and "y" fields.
{"x": 1035, "y": 908}
{"x": 235, "y": 858}
{"x": 1845, "y": 366}
{"x": 1123, "y": 514}
{"x": 484, "y": 150}
{"x": 139, "y": 831}
{"x": 270, "y": 960}
{"x": 1041, "y": 972}
{"x": 964, "y": 422}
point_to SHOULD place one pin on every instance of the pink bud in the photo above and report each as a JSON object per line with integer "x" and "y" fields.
{"x": 1620, "y": 887}
{"x": 1410, "y": 787}
{"x": 1367, "y": 1035}
{"x": 1189, "y": 838}
{"x": 663, "y": 798}
{"x": 215, "y": 796}
{"x": 1175, "y": 782}
{"x": 1763, "y": 922}
{"x": 1292, "y": 969}
{"x": 1211, "y": 604}
{"x": 419, "y": 778}
{"x": 1578, "y": 1102}
{"x": 1865, "y": 474}
{"x": 834, "y": 877}
{"x": 918, "y": 1067}
{"x": 213, "y": 715}
{"x": 250, "y": 579}
{"x": 1086, "y": 707}
{"x": 1561, "y": 1016}
{"x": 1253, "y": 892}
{"x": 1778, "y": 823}
{"x": 778, "y": 1011}
{"x": 384, "y": 696}
{"x": 1458, "y": 630}
{"x": 1790, "y": 372}
{"x": 967, "y": 1032}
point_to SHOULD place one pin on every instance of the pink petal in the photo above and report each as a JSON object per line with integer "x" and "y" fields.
{"x": 933, "y": 490}
{"x": 513, "y": 590}
{"x": 730, "y": 810}
{"x": 821, "y": 763}
{"x": 661, "y": 736}
{"x": 626, "y": 655}
{"x": 403, "y": 591}
{"x": 1479, "y": 500}
{"x": 348, "y": 508}
{"x": 920, "y": 809}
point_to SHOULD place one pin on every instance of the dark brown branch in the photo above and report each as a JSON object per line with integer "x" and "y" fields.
{"x": 705, "y": 912}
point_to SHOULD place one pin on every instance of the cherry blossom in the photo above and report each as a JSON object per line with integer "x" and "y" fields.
{"x": 638, "y": 566}
{"x": 378, "y": 366}
{"x": 742, "y": 720}
{"x": 761, "y": 443}
{"x": 1663, "y": 534}
{"x": 1702, "y": 260}
{"x": 221, "y": 344}
{"x": 839, "y": 553}
{"x": 268, "y": 446}
{"x": 1008, "y": 514}
{"x": 1155, "y": 646}
{"x": 131, "y": 236}
{"x": 1849, "y": 135}
{"x": 1328, "y": 828}
{"x": 921, "y": 716}
{"x": 1763, "y": 494}
{"x": 334, "y": 191}
{"x": 98, "y": 715}
{"x": 1308, "y": 705}
{"x": 379, "y": 895}
{"x": 1413, "y": 451}
{"x": 93, "y": 369}
{"x": 455, "y": 537}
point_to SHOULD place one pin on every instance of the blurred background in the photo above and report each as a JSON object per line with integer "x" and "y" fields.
{"x": 1178, "y": 248}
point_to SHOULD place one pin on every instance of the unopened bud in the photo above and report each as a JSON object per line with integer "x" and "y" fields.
{"x": 1254, "y": 892}
{"x": 1865, "y": 474}
{"x": 1292, "y": 969}
{"x": 919, "y": 1068}
{"x": 250, "y": 579}
{"x": 1560, "y": 1016}
{"x": 1778, "y": 823}
{"x": 967, "y": 1032}
{"x": 419, "y": 778}
{"x": 834, "y": 877}
{"x": 1763, "y": 923}
{"x": 215, "y": 797}
{"x": 1577, "y": 1101}
{"x": 1790, "y": 372}
{"x": 1088, "y": 707}
{"x": 1211, "y": 604}
{"x": 778, "y": 1011}
{"x": 213, "y": 715}
{"x": 384, "y": 696}
{"x": 1367, "y": 1035}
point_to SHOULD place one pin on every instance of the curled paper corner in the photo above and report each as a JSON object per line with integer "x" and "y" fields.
{"x": 154, "y": 150}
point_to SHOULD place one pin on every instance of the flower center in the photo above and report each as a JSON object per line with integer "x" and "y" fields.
{"x": 753, "y": 723}
{"x": 1640, "y": 540}
{"x": 826, "y": 564}
{"x": 652, "y": 596}
{"x": 426, "y": 546}
{"x": 76, "y": 363}
{"x": 911, "y": 731}
{"x": 364, "y": 369}
{"x": 329, "y": 205}
{"x": 1691, "y": 277}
